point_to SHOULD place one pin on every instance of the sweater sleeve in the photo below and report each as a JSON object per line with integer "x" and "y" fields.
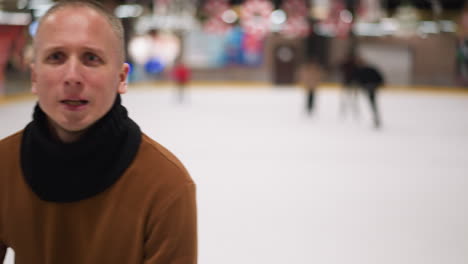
{"x": 172, "y": 237}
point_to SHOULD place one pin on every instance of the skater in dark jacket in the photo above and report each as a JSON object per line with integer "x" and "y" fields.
{"x": 369, "y": 78}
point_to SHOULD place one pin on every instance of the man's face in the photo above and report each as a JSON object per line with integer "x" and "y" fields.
{"x": 77, "y": 71}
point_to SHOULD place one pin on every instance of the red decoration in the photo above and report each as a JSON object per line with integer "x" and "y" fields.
{"x": 12, "y": 42}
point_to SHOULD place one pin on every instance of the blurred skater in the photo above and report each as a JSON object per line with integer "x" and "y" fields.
{"x": 181, "y": 76}
{"x": 358, "y": 74}
{"x": 370, "y": 79}
{"x": 310, "y": 75}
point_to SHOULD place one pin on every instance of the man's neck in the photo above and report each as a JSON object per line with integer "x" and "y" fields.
{"x": 63, "y": 135}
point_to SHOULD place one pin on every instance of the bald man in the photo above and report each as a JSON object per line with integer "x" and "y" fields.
{"x": 81, "y": 183}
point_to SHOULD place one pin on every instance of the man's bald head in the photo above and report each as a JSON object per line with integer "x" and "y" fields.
{"x": 113, "y": 21}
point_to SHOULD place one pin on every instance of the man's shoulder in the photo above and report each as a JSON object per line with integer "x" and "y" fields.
{"x": 11, "y": 140}
{"x": 155, "y": 158}
{"x": 9, "y": 152}
{"x": 155, "y": 175}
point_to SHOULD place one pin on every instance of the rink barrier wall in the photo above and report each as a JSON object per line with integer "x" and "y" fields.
{"x": 461, "y": 91}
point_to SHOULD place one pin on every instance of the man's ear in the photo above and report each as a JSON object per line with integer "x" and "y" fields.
{"x": 123, "y": 78}
{"x": 33, "y": 78}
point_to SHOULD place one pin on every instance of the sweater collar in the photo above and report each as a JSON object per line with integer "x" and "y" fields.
{"x": 68, "y": 172}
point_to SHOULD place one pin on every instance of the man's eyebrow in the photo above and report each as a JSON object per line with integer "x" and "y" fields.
{"x": 52, "y": 48}
{"x": 94, "y": 49}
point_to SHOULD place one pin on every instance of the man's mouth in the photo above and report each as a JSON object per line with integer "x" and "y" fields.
{"x": 74, "y": 102}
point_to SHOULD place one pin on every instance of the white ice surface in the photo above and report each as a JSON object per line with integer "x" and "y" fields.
{"x": 275, "y": 186}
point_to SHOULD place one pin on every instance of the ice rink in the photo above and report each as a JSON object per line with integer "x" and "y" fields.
{"x": 276, "y": 186}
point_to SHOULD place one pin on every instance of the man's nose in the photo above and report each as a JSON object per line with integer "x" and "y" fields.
{"x": 73, "y": 72}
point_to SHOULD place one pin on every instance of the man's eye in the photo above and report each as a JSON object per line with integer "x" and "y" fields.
{"x": 56, "y": 57}
{"x": 92, "y": 58}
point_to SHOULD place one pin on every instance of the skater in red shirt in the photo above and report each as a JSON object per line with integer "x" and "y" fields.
{"x": 181, "y": 75}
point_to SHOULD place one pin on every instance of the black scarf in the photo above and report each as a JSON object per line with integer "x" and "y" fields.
{"x": 68, "y": 172}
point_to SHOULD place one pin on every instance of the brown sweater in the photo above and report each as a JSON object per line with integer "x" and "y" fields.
{"x": 148, "y": 216}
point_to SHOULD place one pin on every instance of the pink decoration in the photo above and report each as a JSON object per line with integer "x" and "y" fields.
{"x": 214, "y": 9}
{"x": 296, "y": 23}
{"x": 255, "y": 17}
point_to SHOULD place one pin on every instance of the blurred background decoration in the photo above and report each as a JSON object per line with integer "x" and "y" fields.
{"x": 414, "y": 42}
